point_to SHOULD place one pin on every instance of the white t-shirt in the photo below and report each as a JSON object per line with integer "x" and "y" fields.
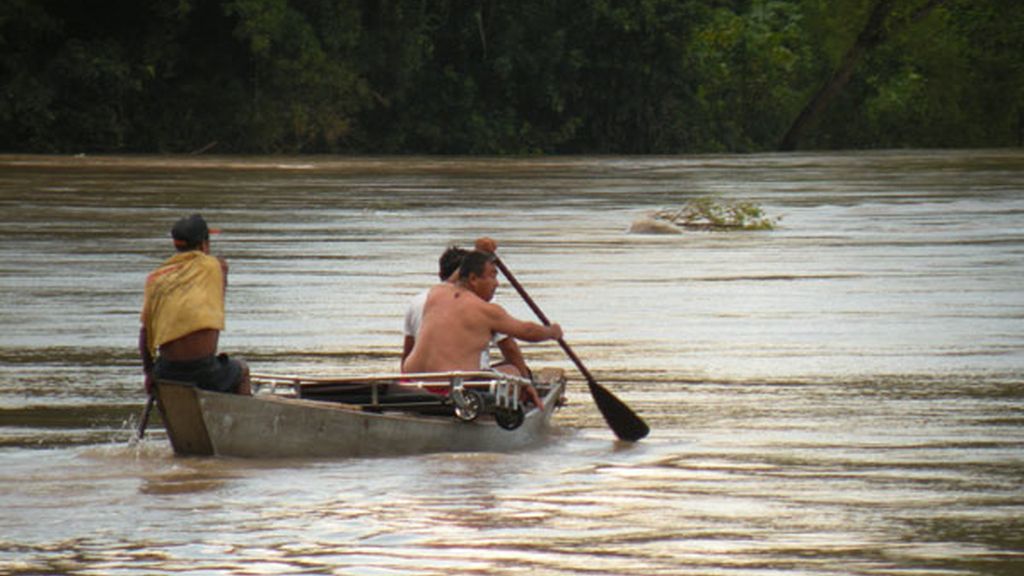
{"x": 414, "y": 318}
{"x": 414, "y": 313}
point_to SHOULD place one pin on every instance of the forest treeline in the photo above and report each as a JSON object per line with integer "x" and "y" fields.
{"x": 522, "y": 77}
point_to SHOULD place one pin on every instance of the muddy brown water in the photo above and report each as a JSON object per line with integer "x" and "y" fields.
{"x": 841, "y": 395}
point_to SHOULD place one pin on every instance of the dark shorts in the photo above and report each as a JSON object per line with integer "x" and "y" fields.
{"x": 218, "y": 373}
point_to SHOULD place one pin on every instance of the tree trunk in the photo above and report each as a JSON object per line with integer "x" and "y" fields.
{"x": 873, "y": 34}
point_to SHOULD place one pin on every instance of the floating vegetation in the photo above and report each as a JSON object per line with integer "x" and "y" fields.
{"x": 705, "y": 214}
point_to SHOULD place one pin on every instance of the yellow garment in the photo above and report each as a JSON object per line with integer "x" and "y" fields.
{"x": 183, "y": 295}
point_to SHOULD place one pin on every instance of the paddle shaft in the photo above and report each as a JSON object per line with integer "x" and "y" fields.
{"x": 543, "y": 318}
{"x": 144, "y": 421}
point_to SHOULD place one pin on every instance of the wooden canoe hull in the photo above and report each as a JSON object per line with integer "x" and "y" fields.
{"x": 201, "y": 422}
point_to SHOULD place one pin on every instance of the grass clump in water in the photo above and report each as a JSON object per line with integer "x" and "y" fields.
{"x": 713, "y": 214}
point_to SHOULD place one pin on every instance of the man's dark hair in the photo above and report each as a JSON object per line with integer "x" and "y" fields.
{"x": 190, "y": 232}
{"x": 450, "y": 261}
{"x": 474, "y": 263}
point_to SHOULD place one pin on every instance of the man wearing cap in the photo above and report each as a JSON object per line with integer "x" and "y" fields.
{"x": 183, "y": 314}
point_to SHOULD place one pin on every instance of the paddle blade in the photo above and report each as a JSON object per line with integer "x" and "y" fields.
{"x": 620, "y": 417}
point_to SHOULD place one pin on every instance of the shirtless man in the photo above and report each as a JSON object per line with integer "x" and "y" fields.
{"x": 459, "y": 320}
{"x": 183, "y": 315}
{"x": 448, "y": 267}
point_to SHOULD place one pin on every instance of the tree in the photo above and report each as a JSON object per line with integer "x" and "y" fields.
{"x": 490, "y": 77}
{"x": 749, "y": 67}
{"x": 883, "y": 18}
{"x": 304, "y": 89}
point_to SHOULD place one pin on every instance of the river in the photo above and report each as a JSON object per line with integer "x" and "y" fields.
{"x": 843, "y": 394}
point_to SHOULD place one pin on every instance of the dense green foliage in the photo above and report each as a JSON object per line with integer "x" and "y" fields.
{"x": 489, "y": 77}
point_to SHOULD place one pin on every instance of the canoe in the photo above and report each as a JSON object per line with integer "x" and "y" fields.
{"x": 306, "y": 417}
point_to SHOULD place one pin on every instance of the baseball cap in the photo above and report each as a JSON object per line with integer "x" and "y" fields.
{"x": 191, "y": 231}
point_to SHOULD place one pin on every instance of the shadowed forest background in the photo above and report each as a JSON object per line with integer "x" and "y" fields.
{"x": 523, "y": 77}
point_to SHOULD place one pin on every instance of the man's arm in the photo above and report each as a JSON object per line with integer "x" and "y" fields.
{"x": 407, "y": 346}
{"x": 147, "y": 359}
{"x": 411, "y": 328}
{"x": 511, "y": 354}
{"x": 502, "y": 321}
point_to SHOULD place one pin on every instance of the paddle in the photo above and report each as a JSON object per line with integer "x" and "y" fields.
{"x": 620, "y": 417}
{"x": 144, "y": 421}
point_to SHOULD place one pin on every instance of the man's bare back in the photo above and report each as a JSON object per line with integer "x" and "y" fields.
{"x": 458, "y": 321}
{"x": 455, "y": 330}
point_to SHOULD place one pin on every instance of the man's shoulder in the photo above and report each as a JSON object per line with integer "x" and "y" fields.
{"x": 171, "y": 264}
{"x": 186, "y": 260}
{"x": 207, "y": 259}
{"x": 490, "y": 308}
{"x": 437, "y": 289}
{"x": 430, "y": 297}
{"x": 191, "y": 257}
